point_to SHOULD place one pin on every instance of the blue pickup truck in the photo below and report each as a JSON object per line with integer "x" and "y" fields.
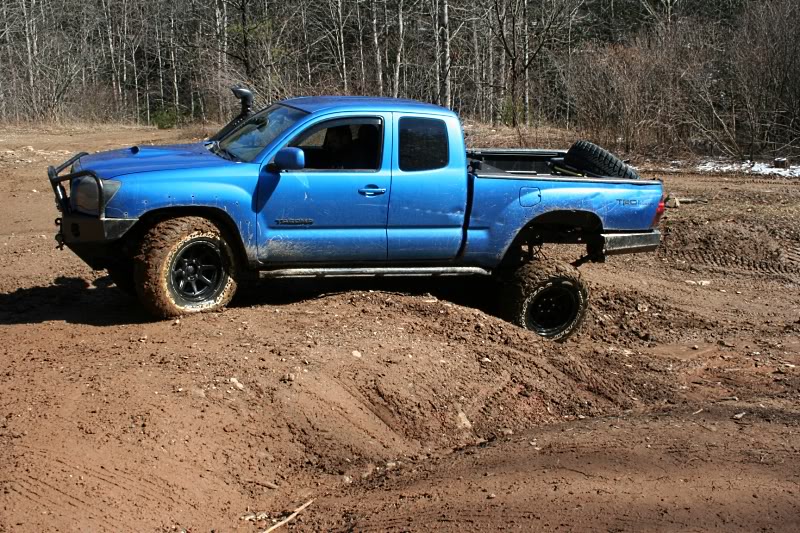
{"x": 351, "y": 186}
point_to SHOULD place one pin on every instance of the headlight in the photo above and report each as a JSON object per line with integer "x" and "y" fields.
{"x": 83, "y": 194}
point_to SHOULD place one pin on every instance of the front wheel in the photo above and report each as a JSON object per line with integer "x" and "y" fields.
{"x": 185, "y": 265}
{"x": 547, "y": 297}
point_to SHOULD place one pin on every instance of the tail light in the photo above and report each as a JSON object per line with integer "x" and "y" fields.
{"x": 659, "y": 210}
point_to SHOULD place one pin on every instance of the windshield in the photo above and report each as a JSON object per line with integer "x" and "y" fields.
{"x": 249, "y": 139}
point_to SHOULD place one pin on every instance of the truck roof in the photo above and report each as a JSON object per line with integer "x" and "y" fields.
{"x": 314, "y": 104}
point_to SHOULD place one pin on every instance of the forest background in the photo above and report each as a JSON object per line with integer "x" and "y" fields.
{"x": 716, "y": 77}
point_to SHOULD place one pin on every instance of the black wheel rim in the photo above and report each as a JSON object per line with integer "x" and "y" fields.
{"x": 197, "y": 272}
{"x": 552, "y": 309}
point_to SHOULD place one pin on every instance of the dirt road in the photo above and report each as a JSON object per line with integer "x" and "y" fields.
{"x": 405, "y": 405}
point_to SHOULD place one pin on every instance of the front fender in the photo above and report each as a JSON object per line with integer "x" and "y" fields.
{"x": 145, "y": 195}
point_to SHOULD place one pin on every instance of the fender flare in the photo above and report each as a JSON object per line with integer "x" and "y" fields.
{"x": 214, "y": 214}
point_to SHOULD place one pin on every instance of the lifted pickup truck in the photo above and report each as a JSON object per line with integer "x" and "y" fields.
{"x": 351, "y": 186}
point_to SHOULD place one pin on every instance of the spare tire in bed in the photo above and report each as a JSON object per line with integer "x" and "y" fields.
{"x": 589, "y": 157}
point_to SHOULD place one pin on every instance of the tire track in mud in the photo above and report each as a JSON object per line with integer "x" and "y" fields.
{"x": 786, "y": 182}
{"x": 447, "y": 517}
{"x": 792, "y": 255}
{"x": 49, "y": 496}
{"x": 790, "y": 269}
{"x": 142, "y": 488}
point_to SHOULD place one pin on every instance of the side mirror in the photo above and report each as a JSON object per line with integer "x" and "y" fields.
{"x": 290, "y": 159}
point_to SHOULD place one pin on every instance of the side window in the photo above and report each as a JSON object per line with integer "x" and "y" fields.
{"x": 344, "y": 144}
{"x": 423, "y": 144}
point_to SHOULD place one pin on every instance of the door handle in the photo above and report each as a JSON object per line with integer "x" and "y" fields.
{"x": 372, "y": 190}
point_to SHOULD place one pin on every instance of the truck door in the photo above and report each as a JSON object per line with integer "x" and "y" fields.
{"x": 429, "y": 188}
{"x": 335, "y": 209}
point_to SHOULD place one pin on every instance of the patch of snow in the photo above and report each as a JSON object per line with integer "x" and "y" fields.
{"x": 749, "y": 167}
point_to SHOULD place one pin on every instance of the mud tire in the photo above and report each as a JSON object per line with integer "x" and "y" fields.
{"x": 547, "y": 297}
{"x": 163, "y": 246}
{"x": 589, "y": 157}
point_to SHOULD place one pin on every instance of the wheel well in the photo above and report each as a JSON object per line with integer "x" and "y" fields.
{"x": 584, "y": 221}
{"x": 218, "y": 216}
{"x": 561, "y": 227}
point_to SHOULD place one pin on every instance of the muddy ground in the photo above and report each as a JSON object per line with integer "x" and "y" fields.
{"x": 405, "y": 405}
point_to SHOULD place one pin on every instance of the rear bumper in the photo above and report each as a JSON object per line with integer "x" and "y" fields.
{"x": 630, "y": 243}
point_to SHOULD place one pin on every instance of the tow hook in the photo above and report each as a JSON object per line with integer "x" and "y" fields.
{"x": 59, "y": 235}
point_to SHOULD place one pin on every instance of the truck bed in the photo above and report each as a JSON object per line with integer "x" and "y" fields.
{"x": 515, "y": 159}
{"x": 513, "y": 188}
{"x": 524, "y": 161}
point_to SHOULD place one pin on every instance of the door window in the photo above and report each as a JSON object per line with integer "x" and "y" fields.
{"x": 423, "y": 144}
{"x": 345, "y": 144}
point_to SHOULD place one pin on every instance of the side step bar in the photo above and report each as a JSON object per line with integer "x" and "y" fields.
{"x": 372, "y": 272}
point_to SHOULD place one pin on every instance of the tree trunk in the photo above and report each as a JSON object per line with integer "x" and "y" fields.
{"x": 478, "y": 73}
{"x": 399, "y": 54}
{"x": 376, "y": 43}
{"x": 526, "y": 88}
{"x": 448, "y": 89}
{"x": 491, "y": 82}
{"x": 27, "y": 15}
{"x": 174, "y": 60}
{"x": 218, "y": 22}
{"x": 437, "y": 52}
{"x": 361, "y": 47}
{"x": 341, "y": 42}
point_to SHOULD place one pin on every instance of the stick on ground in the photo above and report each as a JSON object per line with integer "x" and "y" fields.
{"x": 290, "y": 517}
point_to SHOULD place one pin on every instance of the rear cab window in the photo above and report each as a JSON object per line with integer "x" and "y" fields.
{"x": 423, "y": 144}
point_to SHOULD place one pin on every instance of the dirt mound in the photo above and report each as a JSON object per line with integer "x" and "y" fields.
{"x": 275, "y": 392}
{"x": 635, "y": 318}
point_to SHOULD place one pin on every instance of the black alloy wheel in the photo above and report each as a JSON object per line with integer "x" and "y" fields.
{"x": 553, "y": 309}
{"x": 546, "y": 296}
{"x": 197, "y": 271}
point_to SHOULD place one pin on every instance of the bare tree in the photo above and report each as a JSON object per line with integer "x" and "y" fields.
{"x": 399, "y": 53}
{"x": 720, "y": 75}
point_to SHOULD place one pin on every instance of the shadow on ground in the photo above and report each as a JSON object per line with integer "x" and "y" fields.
{"x": 74, "y": 300}
{"x": 476, "y": 292}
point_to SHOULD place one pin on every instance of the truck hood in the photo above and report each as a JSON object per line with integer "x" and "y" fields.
{"x": 149, "y": 158}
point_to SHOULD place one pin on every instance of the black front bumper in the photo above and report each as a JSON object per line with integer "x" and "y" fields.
{"x": 78, "y": 228}
{"x": 91, "y": 237}
{"x": 96, "y": 241}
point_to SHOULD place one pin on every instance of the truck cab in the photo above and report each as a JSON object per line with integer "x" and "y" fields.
{"x": 381, "y": 181}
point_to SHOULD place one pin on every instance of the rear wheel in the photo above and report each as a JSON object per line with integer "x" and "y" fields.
{"x": 185, "y": 265}
{"x": 547, "y": 297}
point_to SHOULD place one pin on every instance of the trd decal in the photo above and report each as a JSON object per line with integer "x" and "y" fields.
{"x": 294, "y": 221}
{"x": 632, "y": 203}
